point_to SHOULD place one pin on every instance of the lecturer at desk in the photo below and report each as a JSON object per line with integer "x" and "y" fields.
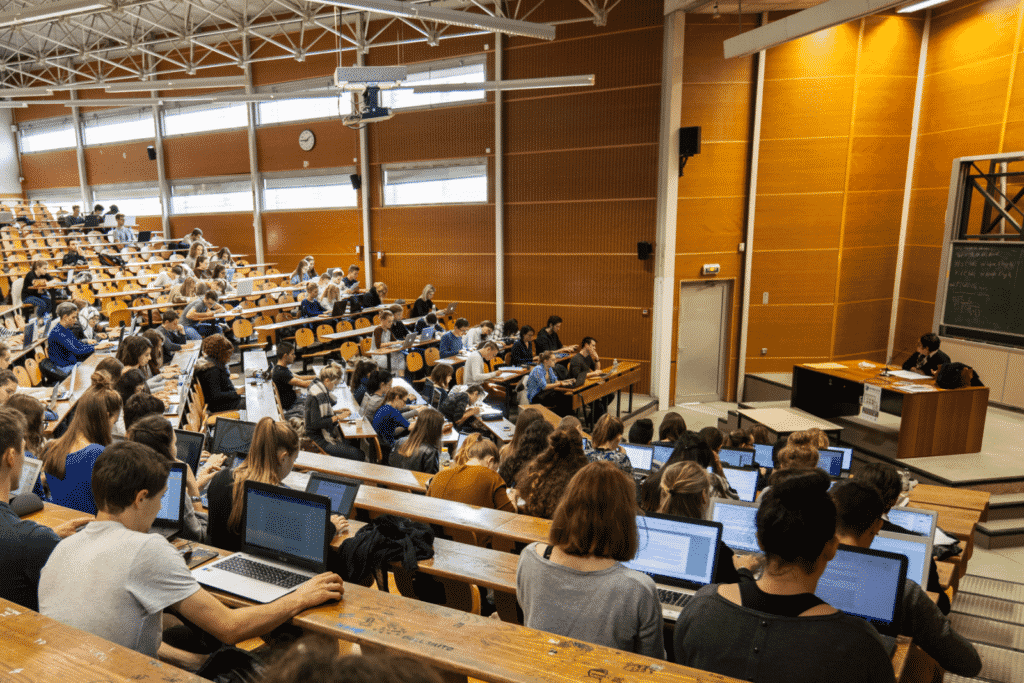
{"x": 927, "y": 359}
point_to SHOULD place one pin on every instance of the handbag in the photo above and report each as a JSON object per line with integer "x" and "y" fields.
{"x": 51, "y": 371}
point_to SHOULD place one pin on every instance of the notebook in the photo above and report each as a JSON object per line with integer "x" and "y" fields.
{"x": 735, "y": 457}
{"x": 232, "y": 437}
{"x": 172, "y": 506}
{"x": 763, "y": 455}
{"x": 918, "y": 550}
{"x": 915, "y": 520}
{"x": 867, "y": 584}
{"x": 680, "y": 554}
{"x": 284, "y": 544}
{"x": 29, "y": 476}
{"x": 662, "y": 454}
{"x": 831, "y": 461}
{"x": 190, "y": 447}
{"x": 340, "y": 490}
{"x": 847, "y": 456}
{"x": 739, "y": 524}
{"x": 744, "y": 481}
{"x": 640, "y": 457}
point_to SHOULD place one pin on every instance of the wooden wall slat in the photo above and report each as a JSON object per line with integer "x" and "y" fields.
{"x": 878, "y": 163}
{"x": 207, "y": 154}
{"x": 808, "y": 221}
{"x": 454, "y": 228}
{"x": 710, "y": 224}
{"x": 971, "y": 33}
{"x": 805, "y": 107}
{"x": 457, "y": 277}
{"x": 447, "y": 133}
{"x": 927, "y": 224}
{"x": 801, "y": 331}
{"x": 572, "y": 227}
{"x": 873, "y": 218}
{"x": 867, "y": 273}
{"x": 944, "y": 106}
{"x": 58, "y": 168}
{"x": 583, "y": 174}
{"x": 801, "y": 166}
{"x": 125, "y": 162}
{"x": 794, "y": 277}
{"x": 721, "y": 109}
{"x": 832, "y": 52}
{"x": 330, "y": 236}
{"x": 231, "y": 230}
{"x": 885, "y": 106}
{"x": 619, "y": 280}
{"x": 920, "y": 272}
{"x": 856, "y": 331}
{"x": 720, "y": 170}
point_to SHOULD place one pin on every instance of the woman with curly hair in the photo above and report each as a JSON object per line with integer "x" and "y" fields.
{"x": 532, "y": 443}
{"x": 545, "y": 479}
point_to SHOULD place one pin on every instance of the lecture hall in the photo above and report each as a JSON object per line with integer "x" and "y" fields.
{"x": 512, "y": 341}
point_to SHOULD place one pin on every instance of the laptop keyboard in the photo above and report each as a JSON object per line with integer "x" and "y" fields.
{"x": 261, "y": 572}
{"x": 673, "y": 598}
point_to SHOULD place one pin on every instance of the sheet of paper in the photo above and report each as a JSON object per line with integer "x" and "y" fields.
{"x": 906, "y": 374}
{"x": 826, "y": 366}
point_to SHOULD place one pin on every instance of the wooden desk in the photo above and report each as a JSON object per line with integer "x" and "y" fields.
{"x": 627, "y": 375}
{"x": 967, "y": 499}
{"x": 788, "y": 420}
{"x": 371, "y": 473}
{"x": 939, "y": 422}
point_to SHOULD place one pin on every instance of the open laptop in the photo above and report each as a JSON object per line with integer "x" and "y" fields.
{"x": 918, "y": 550}
{"x": 739, "y": 524}
{"x": 763, "y": 456}
{"x": 680, "y": 554}
{"x": 847, "y": 456}
{"x": 735, "y": 457}
{"x": 867, "y": 584}
{"x": 232, "y": 437}
{"x": 640, "y": 457}
{"x": 340, "y": 490}
{"x": 831, "y": 462}
{"x": 29, "y": 476}
{"x": 915, "y": 520}
{"x": 284, "y": 543}
{"x": 190, "y": 447}
{"x": 744, "y": 481}
{"x": 172, "y": 506}
{"x": 662, "y": 454}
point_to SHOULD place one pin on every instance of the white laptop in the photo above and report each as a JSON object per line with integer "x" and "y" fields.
{"x": 739, "y": 524}
{"x": 284, "y": 544}
{"x": 244, "y": 286}
{"x": 680, "y": 554}
{"x": 640, "y": 457}
{"x": 29, "y": 475}
{"x": 918, "y": 550}
{"x": 915, "y": 520}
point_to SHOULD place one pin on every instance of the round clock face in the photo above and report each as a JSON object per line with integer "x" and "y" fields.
{"x": 306, "y": 140}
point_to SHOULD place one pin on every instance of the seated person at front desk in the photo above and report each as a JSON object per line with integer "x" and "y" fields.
{"x": 451, "y": 341}
{"x": 927, "y": 359}
{"x": 522, "y": 350}
{"x": 547, "y": 339}
{"x": 64, "y": 349}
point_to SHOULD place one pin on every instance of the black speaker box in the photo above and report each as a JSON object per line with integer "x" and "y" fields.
{"x": 151, "y": 151}
{"x": 356, "y": 181}
{"x": 644, "y": 250}
{"x": 689, "y": 141}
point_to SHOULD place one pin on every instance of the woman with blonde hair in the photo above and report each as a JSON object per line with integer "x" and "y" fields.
{"x": 272, "y": 454}
{"x": 473, "y": 478}
{"x": 425, "y": 304}
{"x": 322, "y": 420}
{"x": 421, "y": 450}
{"x": 185, "y": 292}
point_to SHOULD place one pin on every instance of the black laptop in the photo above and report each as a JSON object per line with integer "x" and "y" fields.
{"x": 232, "y": 438}
{"x": 190, "y": 447}
{"x": 169, "y": 520}
{"x": 340, "y": 490}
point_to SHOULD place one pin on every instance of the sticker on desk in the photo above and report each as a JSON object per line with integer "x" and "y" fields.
{"x": 871, "y": 405}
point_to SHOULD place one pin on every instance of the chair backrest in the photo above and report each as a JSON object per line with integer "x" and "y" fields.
{"x": 349, "y": 349}
{"x": 263, "y": 335}
{"x": 16, "y": 288}
{"x": 414, "y": 361}
{"x": 22, "y": 374}
{"x": 376, "y": 319}
{"x": 304, "y": 337}
{"x": 242, "y": 328}
{"x": 362, "y": 324}
{"x": 366, "y": 345}
{"x": 321, "y": 330}
{"x": 119, "y": 315}
{"x": 344, "y": 326}
{"x": 35, "y": 376}
{"x": 432, "y": 355}
{"x": 460, "y": 372}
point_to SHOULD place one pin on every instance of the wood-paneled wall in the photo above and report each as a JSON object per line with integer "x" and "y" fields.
{"x": 972, "y": 104}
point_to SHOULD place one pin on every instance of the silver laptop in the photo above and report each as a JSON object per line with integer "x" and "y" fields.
{"x": 244, "y": 287}
{"x": 918, "y": 550}
{"x": 915, "y": 520}
{"x": 739, "y": 524}
{"x": 867, "y": 584}
{"x": 29, "y": 475}
{"x": 680, "y": 554}
{"x": 640, "y": 457}
{"x": 284, "y": 544}
{"x": 169, "y": 520}
{"x": 744, "y": 481}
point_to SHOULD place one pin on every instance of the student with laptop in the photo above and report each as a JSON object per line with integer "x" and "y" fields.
{"x": 285, "y": 381}
{"x": 212, "y": 373}
{"x": 114, "y": 579}
{"x": 542, "y": 482}
{"x": 451, "y": 341}
{"x": 275, "y": 446}
{"x": 689, "y": 448}
{"x": 473, "y": 478}
{"x": 606, "y": 438}
{"x": 576, "y": 585}
{"x": 547, "y": 338}
{"x": 542, "y": 386}
{"x": 420, "y": 451}
{"x": 522, "y": 350}
{"x": 24, "y": 545}
{"x": 859, "y": 510}
{"x": 776, "y": 628}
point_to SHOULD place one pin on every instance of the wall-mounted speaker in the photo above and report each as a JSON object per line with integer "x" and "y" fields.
{"x": 151, "y": 151}
{"x": 644, "y": 250}
{"x": 356, "y": 181}
{"x": 689, "y": 141}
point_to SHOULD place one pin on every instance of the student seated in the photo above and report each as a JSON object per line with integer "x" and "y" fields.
{"x": 24, "y": 545}
{"x": 522, "y": 350}
{"x": 575, "y": 585}
{"x": 927, "y": 359}
{"x": 542, "y": 386}
{"x": 421, "y": 450}
{"x": 690, "y": 448}
{"x": 430, "y": 320}
{"x": 310, "y": 306}
{"x": 547, "y": 338}
{"x": 671, "y": 430}
{"x": 605, "y": 440}
{"x": 388, "y": 419}
{"x": 114, "y": 579}
{"x": 425, "y": 304}
{"x": 478, "y": 335}
{"x": 321, "y": 419}
{"x": 384, "y": 345}
{"x": 642, "y": 431}
{"x": 351, "y": 280}
{"x": 359, "y": 378}
{"x": 435, "y": 388}
{"x": 534, "y": 441}
{"x": 200, "y": 315}
{"x": 68, "y": 461}
{"x": 64, "y": 349}
{"x": 375, "y": 295}
{"x": 859, "y": 510}
{"x": 451, "y": 342}
{"x": 211, "y": 372}
{"x": 473, "y": 477}
{"x": 8, "y": 385}
{"x": 283, "y": 378}
{"x": 461, "y": 410}
{"x": 543, "y": 482}
{"x": 776, "y": 629}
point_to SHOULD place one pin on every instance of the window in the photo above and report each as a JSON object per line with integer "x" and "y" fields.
{"x": 462, "y": 71}
{"x": 56, "y": 199}
{"x": 131, "y": 200}
{"x": 309, "y": 192}
{"x": 205, "y": 117}
{"x": 214, "y": 196}
{"x": 118, "y": 126}
{"x": 303, "y": 108}
{"x": 39, "y": 136}
{"x": 462, "y": 182}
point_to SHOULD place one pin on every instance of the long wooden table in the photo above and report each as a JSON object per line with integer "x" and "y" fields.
{"x": 937, "y": 422}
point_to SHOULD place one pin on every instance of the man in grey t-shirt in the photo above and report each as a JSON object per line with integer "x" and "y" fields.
{"x": 114, "y": 579}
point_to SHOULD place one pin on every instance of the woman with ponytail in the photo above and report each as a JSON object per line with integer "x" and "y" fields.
{"x": 274, "y": 448}
{"x": 68, "y": 461}
{"x": 776, "y": 629}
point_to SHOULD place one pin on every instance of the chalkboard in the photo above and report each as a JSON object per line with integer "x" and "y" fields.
{"x": 985, "y": 291}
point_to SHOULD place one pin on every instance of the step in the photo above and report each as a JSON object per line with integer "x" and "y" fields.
{"x": 752, "y": 405}
{"x": 1000, "y": 533}
{"x": 992, "y": 588}
{"x": 1000, "y": 665}
{"x": 997, "y": 633}
{"x": 988, "y": 608}
{"x": 1006, "y": 506}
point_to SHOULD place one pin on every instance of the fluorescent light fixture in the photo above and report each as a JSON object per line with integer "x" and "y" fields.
{"x": 521, "y": 84}
{"x": 50, "y": 10}
{"x": 178, "y": 84}
{"x": 13, "y": 105}
{"x": 472, "y": 20}
{"x": 919, "y": 6}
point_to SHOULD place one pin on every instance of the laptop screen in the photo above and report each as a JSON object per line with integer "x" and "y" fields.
{"x": 739, "y": 524}
{"x": 285, "y": 525}
{"x": 677, "y": 551}
{"x": 914, "y": 520}
{"x": 29, "y": 476}
{"x": 639, "y": 456}
{"x": 174, "y": 496}
{"x": 917, "y": 550}
{"x": 831, "y": 462}
{"x": 662, "y": 454}
{"x": 232, "y": 437}
{"x": 763, "y": 455}
{"x": 743, "y": 481}
{"x": 736, "y": 458}
{"x": 866, "y": 584}
{"x": 847, "y": 456}
{"x": 190, "y": 447}
{"x": 342, "y": 492}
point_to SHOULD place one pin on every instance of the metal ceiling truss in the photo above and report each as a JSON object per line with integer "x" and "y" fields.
{"x": 157, "y": 39}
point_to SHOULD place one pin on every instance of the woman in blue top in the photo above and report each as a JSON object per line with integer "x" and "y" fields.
{"x": 389, "y": 419}
{"x": 310, "y": 306}
{"x": 68, "y": 461}
{"x": 435, "y": 388}
{"x": 302, "y": 273}
{"x": 542, "y": 383}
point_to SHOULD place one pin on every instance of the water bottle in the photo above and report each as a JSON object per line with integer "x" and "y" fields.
{"x": 615, "y": 364}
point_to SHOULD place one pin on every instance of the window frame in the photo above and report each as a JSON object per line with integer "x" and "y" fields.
{"x": 440, "y": 64}
{"x": 439, "y": 164}
{"x": 176, "y": 108}
{"x": 117, "y": 113}
{"x": 181, "y": 182}
{"x": 341, "y": 171}
{"x": 120, "y": 192}
{"x": 299, "y": 87}
{"x": 51, "y": 124}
